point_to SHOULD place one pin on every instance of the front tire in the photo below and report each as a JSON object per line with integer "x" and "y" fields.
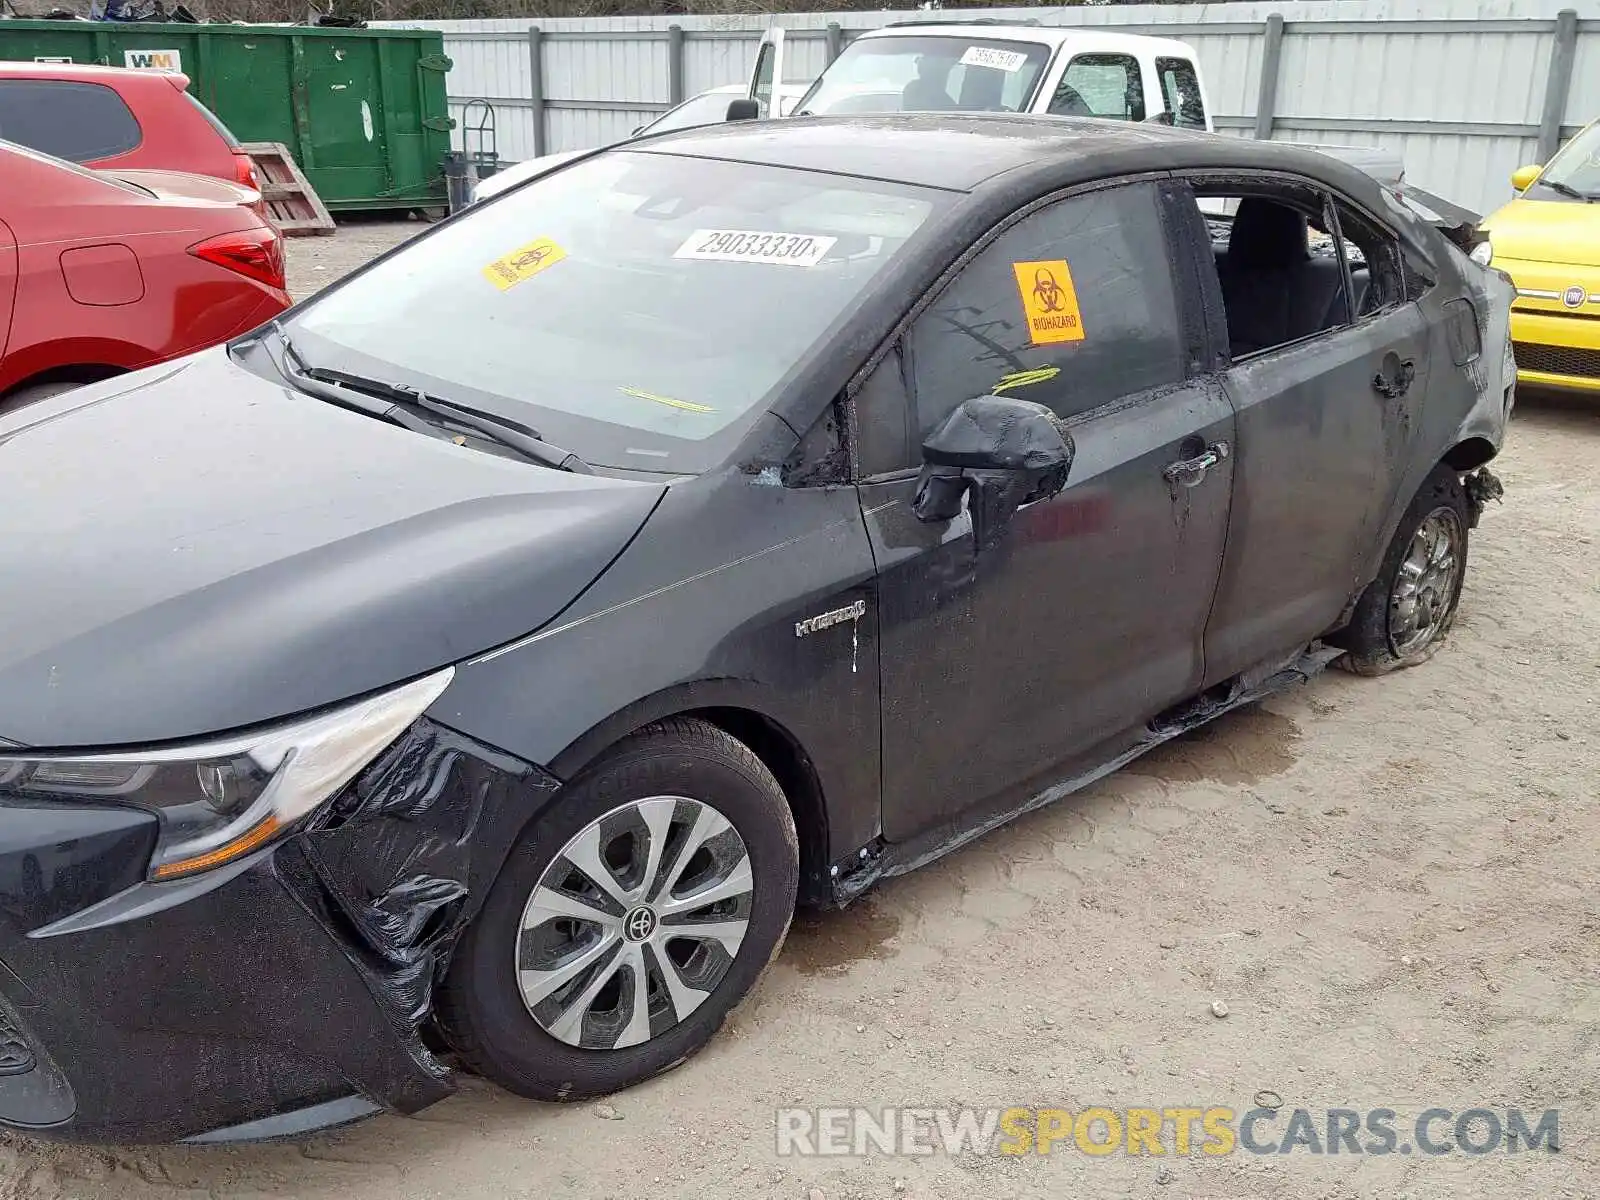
{"x": 629, "y": 919}
{"x": 1406, "y": 613}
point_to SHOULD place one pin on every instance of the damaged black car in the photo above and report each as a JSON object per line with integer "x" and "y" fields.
{"x": 476, "y": 667}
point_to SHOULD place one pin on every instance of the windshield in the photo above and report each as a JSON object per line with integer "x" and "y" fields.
{"x": 708, "y": 108}
{"x": 1577, "y": 166}
{"x": 639, "y": 309}
{"x": 936, "y": 73}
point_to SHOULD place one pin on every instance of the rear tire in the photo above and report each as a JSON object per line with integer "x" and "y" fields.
{"x": 1406, "y": 613}
{"x": 559, "y": 989}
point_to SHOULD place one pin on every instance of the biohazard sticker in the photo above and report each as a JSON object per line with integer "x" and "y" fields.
{"x": 1009, "y": 61}
{"x": 1050, "y": 302}
{"x": 755, "y": 246}
{"x": 523, "y": 263}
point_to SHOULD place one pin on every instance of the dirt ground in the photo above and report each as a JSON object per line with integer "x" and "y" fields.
{"x": 1389, "y": 883}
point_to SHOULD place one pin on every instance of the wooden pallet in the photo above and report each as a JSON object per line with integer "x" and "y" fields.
{"x": 296, "y": 208}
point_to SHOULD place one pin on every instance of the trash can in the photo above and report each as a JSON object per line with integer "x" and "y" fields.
{"x": 362, "y": 110}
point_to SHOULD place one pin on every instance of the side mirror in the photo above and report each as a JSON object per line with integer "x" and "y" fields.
{"x": 1164, "y": 117}
{"x": 1005, "y": 452}
{"x": 744, "y": 109}
{"x": 1523, "y": 177}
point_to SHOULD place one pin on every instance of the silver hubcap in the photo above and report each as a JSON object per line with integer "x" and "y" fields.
{"x": 1426, "y": 582}
{"x": 635, "y": 923}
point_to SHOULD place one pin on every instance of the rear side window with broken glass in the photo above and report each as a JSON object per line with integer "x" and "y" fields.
{"x": 1072, "y": 307}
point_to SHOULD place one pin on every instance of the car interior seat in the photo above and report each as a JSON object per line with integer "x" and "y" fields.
{"x": 982, "y": 90}
{"x": 1273, "y": 289}
{"x": 925, "y": 94}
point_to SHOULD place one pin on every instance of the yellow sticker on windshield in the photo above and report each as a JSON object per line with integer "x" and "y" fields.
{"x": 1049, "y": 301}
{"x": 686, "y": 405}
{"x": 523, "y": 263}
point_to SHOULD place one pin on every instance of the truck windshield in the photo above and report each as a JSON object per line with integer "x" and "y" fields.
{"x": 934, "y": 73}
{"x": 640, "y": 309}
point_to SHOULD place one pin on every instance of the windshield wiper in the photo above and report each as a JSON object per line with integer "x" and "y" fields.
{"x": 397, "y": 402}
{"x": 1566, "y": 189}
{"x": 293, "y": 368}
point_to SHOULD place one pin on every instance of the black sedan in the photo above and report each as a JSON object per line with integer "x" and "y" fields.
{"x": 478, "y": 665}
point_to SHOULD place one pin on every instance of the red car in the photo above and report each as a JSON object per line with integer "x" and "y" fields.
{"x": 102, "y": 273}
{"x": 116, "y": 117}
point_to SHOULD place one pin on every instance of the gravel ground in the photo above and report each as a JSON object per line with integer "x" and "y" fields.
{"x": 1389, "y": 884}
{"x": 315, "y": 262}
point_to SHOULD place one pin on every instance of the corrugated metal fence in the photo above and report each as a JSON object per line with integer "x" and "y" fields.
{"x": 1465, "y": 90}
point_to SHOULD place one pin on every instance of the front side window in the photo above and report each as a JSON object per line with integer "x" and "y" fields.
{"x": 1180, "y": 88}
{"x": 1101, "y": 85}
{"x": 80, "y": 122}
{"x": 936, "y": 73}
{"x": 1072, "y": 307}
{"x": 761, "y": 91}
{"x": 638, "y": 309}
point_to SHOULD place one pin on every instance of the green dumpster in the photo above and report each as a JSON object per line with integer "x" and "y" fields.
{"x": 363, "y": 111}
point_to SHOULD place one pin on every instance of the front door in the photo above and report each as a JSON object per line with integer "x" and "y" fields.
{"x": 767, "y": 74}
{"x": 1087, "y": 617}
{"x": 1327, "y": 419}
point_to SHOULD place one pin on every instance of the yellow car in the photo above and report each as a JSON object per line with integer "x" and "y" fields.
{"x": 1548, "y": 241}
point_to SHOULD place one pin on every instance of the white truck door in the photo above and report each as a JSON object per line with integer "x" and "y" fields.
{"x": 768, "y": 72}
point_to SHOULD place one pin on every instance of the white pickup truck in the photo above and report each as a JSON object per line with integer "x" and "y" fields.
{"x": 986, "y": 66}
{"x": 977, "y": 65}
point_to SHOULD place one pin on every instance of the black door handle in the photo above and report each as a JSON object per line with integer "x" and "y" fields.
{"x": 1394, "y": 377}
{"x": 1187, "y": 472}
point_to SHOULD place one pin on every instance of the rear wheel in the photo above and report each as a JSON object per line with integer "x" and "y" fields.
{"x": 1406, "y": 612}
{"x": 629, "y": 920}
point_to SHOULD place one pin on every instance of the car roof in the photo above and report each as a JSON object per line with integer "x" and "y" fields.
{"x": 88, "y": 73}
{"x": 1053, "y": 36}
{"x": 965, "y": 152}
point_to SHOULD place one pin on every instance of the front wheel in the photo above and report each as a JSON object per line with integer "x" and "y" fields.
{"x": 629, "y": 919}
{"x": 1406, "y": 612}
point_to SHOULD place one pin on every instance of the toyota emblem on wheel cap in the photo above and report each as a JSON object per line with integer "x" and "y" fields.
{"x": 1574, "y": 296}
{"x": 639, "y": 924}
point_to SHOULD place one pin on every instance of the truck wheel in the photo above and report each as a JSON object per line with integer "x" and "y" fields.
{"x": 1406, "y": 612}
{"x": 629, "y": 920}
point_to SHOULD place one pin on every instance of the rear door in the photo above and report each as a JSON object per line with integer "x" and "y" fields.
{"x": 1326, "y": 426}
{"x": 767, "y": 73}
{"x": 1087, "y": 617}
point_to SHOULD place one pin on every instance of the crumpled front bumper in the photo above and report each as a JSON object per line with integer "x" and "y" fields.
{"x": 283, "y": 993}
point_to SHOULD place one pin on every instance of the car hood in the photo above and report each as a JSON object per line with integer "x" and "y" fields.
{"x": 1547, "y": 231}
{"x": 193, "y": 549}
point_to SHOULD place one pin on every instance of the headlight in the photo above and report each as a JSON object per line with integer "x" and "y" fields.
{"x": 1482, "y": 253}
{"x": 220, "y": 800}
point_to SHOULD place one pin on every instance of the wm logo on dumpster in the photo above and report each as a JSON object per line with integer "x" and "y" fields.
{"x": 153, "y": 60}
